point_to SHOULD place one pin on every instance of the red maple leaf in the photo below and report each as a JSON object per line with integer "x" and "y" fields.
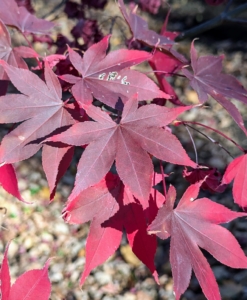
{"x": 191, "y": 225}
{"x": 40, "y": 106}
{"x": 237, "y": 170}
{"x": 108, "y": 77}
{"x": 8, "y": 181}
{"x": 12, "y": 56}
{"x": 21, "y": 18}
{"x": 111, "y": 208}
{"x": 208, "y": 80}
{"x": 33, "y": 284}
{"x": 140, "y": 31}
{"x": 211, "y": 178}
{"x": 128, "y": 141}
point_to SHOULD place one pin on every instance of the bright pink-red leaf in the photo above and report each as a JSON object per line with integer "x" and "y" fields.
{"x": 108, "y": 77}
{"x": 40, "y": 106}
{"x": 127, "y": 142}
{"x": 20, "y": 18}
{"x": 8, "y": 181}
{"x": 33, "y": 284}
{"x": 193, "y": 224}
{"x": 237, "y": 171}
{"x": 5, "y": 276}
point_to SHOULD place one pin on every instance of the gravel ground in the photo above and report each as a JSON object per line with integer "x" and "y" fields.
{"x": 38, "y": 231}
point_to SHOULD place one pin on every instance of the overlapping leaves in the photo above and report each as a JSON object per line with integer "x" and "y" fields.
{"x": 111, "y": 207}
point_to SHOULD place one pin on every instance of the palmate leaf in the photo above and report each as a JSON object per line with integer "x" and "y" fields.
{"x": 111, "y": 208}
{"x": 140, "y": 31}
{"x": 207, "y": 79}
{"x": 191, "y": 225}
{"x": 108, "y": 77}
{"x": 20, "y": 18}
{"x": 40, "y": 107}
{"x": 13, "y": 56}
{"x": 128, "y": 142}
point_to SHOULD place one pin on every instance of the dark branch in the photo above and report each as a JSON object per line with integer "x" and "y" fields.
{"x": 224, "y": 16}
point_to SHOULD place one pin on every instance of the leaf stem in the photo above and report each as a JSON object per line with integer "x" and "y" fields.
{"x": 193, "y": 143}
{"x": 217, "y": 131}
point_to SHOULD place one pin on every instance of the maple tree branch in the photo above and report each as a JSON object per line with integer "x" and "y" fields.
{"x": 224, "y": 16}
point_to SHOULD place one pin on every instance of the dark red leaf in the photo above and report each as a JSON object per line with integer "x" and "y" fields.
{"x": 12, "y": 56}
{"x": 111, "y": 208}
{"x": 88, "y": 31}
{"x": 20, "y": 18}
{"x": 140, "y": 31}
{"x": 208, "y": 80}
{"x": 191, "y": 225}
{"x": 140, "y": 131}
{"x": 211, "y": 178}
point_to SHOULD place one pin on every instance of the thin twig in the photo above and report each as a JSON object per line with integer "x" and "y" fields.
{"x": 211, "y": 140}
{"x": 224, "y": 16}
{"x": 215, "y": 130}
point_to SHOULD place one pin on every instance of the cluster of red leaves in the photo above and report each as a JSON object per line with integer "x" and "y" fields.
{"x": 115, "y": 175}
